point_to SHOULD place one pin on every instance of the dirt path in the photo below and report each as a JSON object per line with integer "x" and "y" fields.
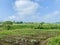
{"x": 44, "y": 42}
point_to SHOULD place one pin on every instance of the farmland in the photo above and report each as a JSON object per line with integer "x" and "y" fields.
{"x": 30, "y": 34}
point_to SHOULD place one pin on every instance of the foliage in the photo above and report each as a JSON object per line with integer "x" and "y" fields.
{"x": 9, "y": 37}
{"x": 21, "y": 22}
{"x": 20, "y": 25}
{"x": 7, "y": 25}
{"x": 34, "y": 31}
{"x": 48, "y": 26}
{"x": 54, "y": 41}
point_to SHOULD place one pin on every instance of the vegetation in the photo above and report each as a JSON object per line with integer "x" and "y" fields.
{"x": 21, "y": 25}
{"x": 22, "y": 33}
{"x": 7, "y": 25}
{"x": 54, "y": 41}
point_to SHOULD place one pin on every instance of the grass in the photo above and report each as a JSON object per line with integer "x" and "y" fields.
{"x": 28, "y": 31}
{"x": 34, "y": 26}
{"x": 54, "y": 41}
{"x": 36, "y": 32}
{"x": 24, "y": 26}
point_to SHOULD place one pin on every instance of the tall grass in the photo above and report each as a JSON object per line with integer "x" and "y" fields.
{"x": 54, "y": 41}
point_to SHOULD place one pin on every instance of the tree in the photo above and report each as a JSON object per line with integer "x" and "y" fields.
{"x": 7, "y": 25}
{"x": 19, "y": 22}
{"x": 41, "y": 25}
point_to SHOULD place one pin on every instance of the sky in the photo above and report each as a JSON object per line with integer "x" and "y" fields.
{"x": 30, "y": 10}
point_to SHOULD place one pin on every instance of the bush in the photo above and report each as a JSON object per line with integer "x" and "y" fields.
{"x": 7, "y": 25}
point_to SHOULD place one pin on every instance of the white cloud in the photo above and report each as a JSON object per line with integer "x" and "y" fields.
{"x": 52, "y": 15}
{"x": 37, "y": 18}
{"x": 26, "y": 8}
{"x": 12, "y": 17}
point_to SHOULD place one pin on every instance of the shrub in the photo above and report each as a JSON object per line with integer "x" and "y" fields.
{"x": 7, "y": 25}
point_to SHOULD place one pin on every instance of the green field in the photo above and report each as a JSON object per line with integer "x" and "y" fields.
{"x": 41, "y": 35}
{"x": 29, "y": 34}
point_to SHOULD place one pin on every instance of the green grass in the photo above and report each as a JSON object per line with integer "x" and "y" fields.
{"x": 29, "y": 31}
{"x": 38, "y": 34}
{"x": 35, "y": 26}
{"x": 35, "y": 32}
{"x": 54, "y": 41}
{"x": 24, "y": 26}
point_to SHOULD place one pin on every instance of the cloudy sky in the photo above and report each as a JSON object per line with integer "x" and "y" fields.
{"x": 30, "y": 10}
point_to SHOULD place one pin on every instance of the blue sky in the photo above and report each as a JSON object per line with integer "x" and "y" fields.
{"x": 30, "y": 10}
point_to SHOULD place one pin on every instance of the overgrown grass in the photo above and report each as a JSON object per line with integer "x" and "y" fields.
{"x": 54, "y": 41}
{"x": 35, "y": 26}
{"x": 30, "y": 31}
{"x": 37, "y": 34}
{"x": 34, "y": 32}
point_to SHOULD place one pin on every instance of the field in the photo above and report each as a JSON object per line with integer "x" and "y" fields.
{"x": 29, "y": 34}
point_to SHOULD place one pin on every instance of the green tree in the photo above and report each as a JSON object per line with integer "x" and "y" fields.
{"x": 7, "y": 25}
{"x": 41, "y": 25}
